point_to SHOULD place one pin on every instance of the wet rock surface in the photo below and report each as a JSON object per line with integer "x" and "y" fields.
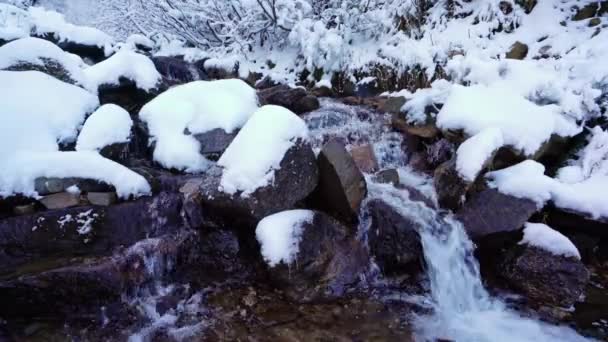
{"x": 295, "y": 99}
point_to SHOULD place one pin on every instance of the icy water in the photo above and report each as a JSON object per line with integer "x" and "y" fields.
{"x": 462, "y": 309}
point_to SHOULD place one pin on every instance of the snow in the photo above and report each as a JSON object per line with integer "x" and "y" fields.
{"x": 53, "y": 23}
{"x": 254, "y": 155}
{"x": 280, "y": 234}
{"x": 38, "y": 112}
{"x": 109, "y": 124}
{"x": 35, "y": 50}
{"x": 198, "y": 107}
{"x": 472, "y": 154}
{"x": 544, "y": 237}
{"x": 128, "y": 64}
{"x": 14, "y": 23}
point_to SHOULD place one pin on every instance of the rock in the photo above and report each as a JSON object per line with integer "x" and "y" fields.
{"x": 323, "y": 91}
{"x": 393, "y": 104}
{"x": 388, "y": 176}
{"x": 367, "y": 87}
{"x": 365, "y": 158}
{"x": 518, "y": 50}
{"x": 214, "y": 142}
{"x": 176, "y": 70}
{"x": 527, "y": 5}
{"x": 573, "y": 221}
{"x": 46, "y": 186}
{"x": 102, "y": 198}
{"x": 594, "y": 22}
{"x": 25, "y": 209}
{"x": 265, "y": 83}
{"x": 594, "y": 9}
{"x": 426, "y": 131}
{"x": 328, "y": 263}
{"x": 60, "y": 200}
{"x": 545, "y": 277}
{"x": 75, "y": 287}
{"x": 293, "y": 182}
{"x": 215, "y": 71}
{"x": 51, "y": 67}
{"x": 118, "y": 152}
{"x": 295, "y": 99}
{"x": 451, "y": 188}
{"x": 393, "y": 240}
{"x": 490, "y": 212}
{"x": 93, "y": 53}
{"x": 342, "y": 186}
{"x": 126, "y": 94}
{"x": 439, "y": 152}
{"x": 85, "y": 230}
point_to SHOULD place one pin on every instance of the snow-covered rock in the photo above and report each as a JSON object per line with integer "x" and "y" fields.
{"x": 253, "y": 157}
{"x": 30, "y": 131}
{"x": 38, "y": 54}
{"x": 196, "y": 107}
{"x": 126, "y": 64}
{"x": 279, "y": 235}
{"x": 544, "y": 237}
{"x": 108, "y": 125}
{"x": 15, "y": 23}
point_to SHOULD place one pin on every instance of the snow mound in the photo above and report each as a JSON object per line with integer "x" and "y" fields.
{"x": 35, "y": 51}
{"x": 475, "y": 151}
{"x": 38, "y": 112}
{"x": 110, "y": 124}
{"x": 197, "y": 107}
{"x": 128, "y": 64}
{"x": 256, "y": 152}
{"x": 54, "y": 24}
{"x": 280, "y": 234}
{"x": 544, "y": 237}
{"x": 14, "y": 23}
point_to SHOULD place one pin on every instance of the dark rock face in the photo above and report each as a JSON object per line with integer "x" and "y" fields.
{"x": 393, "y": 240}
{"x": 93, "y": 53}
{"x": 426, "y": 131}
{"x": 84, "y": 230}
{"x": 342, "y": 186}
{"x": 594, "y": 9}
{"x": 329, "y": 261}
{"x": 295, "y": 99}
{"x": 451, "y": 188}
{"x": 118, "y": 152}
{"x": 293, "y": 182}
{"x": 45, "y": 186}
{"x": 50, "y": 67}
{"x": 127, "y": 95}
{"x": 545, "y": 277}
{"x": 388, "y": 176}
{"x": 214, "y": 142}
{"x": 489, "y": 212}
{"x": 518, "y": 51}
{"x": 367, "y": 89}
{"x": 176, "y": 70}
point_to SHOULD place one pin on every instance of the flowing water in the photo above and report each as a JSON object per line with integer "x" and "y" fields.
{"x": 462, "y": 309}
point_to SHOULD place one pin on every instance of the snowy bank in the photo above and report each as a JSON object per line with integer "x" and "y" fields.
{"x": 257, "y": 151}
{"x": 279, "y": 235}
{"x": 196, "y": 107}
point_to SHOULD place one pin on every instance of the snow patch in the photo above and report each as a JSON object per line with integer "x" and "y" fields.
{"x": 128, "y": 64}
{"x": 197, "y": 107}
{"x": 280, "y": 234}
{"x": 15, "y": 23}
{"x": 256, "y": 152}
{"x": 544, "y": 237}
{"x": 109, "y": 124}
{"x": 472, "y": 154}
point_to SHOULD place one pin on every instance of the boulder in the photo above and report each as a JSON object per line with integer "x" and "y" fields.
{"x": 118, "y": 152}
{"x": 518, "y": 50}
{"x": 544, "y": 277}
{"x": 25, "y": 209}
{"x": 214, "y": 142}
{"x": 50, "y": 185}
{"x": 85, "y": 230}
{"x": 176, "y": 70}
{"x": 293, "y": 182}
{"x": 490, "y": 212}
{"x": 60, "y": 200}
{"x": 50, "y": 67}
{"x": 593, "y": 9}
{"x": 393, "y": 104}
{"x": 388, "y": 176}
{"x": 451, "y": 188}
{"x": 127, "y": 95}
{"x": 93, "y": 53}
{"x": 329, "y": 262}
{"x": 393, "y": 240}
{"x": 426, "y": 131}
{"x": 295, "y": 99}
{"x": 367, "y": 87}
{"x": 102, "y": 198}
{"x": 572, "y": 221}
{"x": 365, "y": 158}
{"x": 342, "y": 186}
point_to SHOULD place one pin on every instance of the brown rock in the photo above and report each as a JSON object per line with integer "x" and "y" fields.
{"x": 388, "y": 176}
{"x": 393, "y": 104}
{"x": 60, "y": 200}
{"x": 451, "y": 188}
{"x": 427, "y": 131}
{"x": 102, "y": 198}
{"x": 518, "y": 50}
{"x": 365, "y": 158}
{"x": 595, "y": 22}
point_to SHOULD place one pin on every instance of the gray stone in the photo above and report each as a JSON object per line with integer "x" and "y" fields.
{"x": 388, "y": 176}
{"x": 102, "y": 198}
{"x": 60, "y": 200}
{"x": 214, "y": 142}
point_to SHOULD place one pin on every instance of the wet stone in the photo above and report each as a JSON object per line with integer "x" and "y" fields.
{"x": 102, "y": 198}
{"x": 60, "y": 200}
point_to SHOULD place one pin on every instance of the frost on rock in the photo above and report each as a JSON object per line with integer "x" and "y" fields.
{"x": 279, "y": 235}
{"x": 124, "y": 64}
{"x": 14, "y": 23}
{"x": 196, "y": 107}
{"x": 544, "y": 237}
{"x": 110, "y": 124}
{"x": 37, "y": 52}
{"x": 257, "y": 151}
{"x": 39, "y": 112}
{"x": 52, "y": 23}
